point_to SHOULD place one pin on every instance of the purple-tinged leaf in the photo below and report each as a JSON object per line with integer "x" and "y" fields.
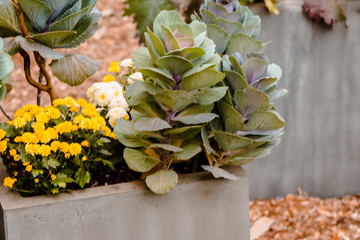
{"x": 251, "y": 100}
{"x": 217, "y": 9}
{"x": 254, "y": 69}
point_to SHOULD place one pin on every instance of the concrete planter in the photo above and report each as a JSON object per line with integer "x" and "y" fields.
{"x": 200, "y": 207}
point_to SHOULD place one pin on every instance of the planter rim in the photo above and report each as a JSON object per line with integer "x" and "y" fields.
{"x": 12, "y": 200}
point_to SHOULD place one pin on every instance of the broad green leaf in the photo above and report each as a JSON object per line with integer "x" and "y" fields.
{"x": 236, "y": 81}
{"x": 233, "y": 120}
{"x": 207, "y": 16}
{"x": 158, "y": 74}
{"x": 154, "y": 45}
{"x": 167, "y": 147}
{"x": 198, "y": 29}
{"x": 43, "y": 50}
{"x": 274, "y": 71}
{"x": 57, "y": 6}
{"x": 151, "y": 124}
{"x": 69, "y": 22}
{"x": 198, "y": 69}
{"x": 75, "y": 8}
{"x": 265, "y": 121}
{"x": 209, "y": 47}
{"x": 184, "y": 132}
{"x": 206, "y": 78}
{"x": 61, "y": 180}
{"x": 174, "y": 100}
{"x": 53, "y": 163}
{"x": 2, "y": 91}
{"x": 169, "y": 39}
{"x": 230, "y": 28}
{"x": 219, "y": 36}
{"x": 250, "y": 100}
{"x": 231, "y": 142}
{"x": 166, "y": 18}
{"x": 150, "y": 109}
{"x": 210, "y": 95}
{"x": 276, "y": 95}
{"x": 54, "y": 39}
{"x": 196, "y": 109}
{"x": 206, "y": 142}
{"x": 139, "y": 161}
{"x": 74, "y": 69}
{"x": 196, "y": 118}
{"x": 220, "y": 173}
{"x": 236, "y": 66}
{"x": 191, "y": 52}
{"x": 84, "y": 29}
{"x": 128, "y": 136}
{"x": 142, "y": 58}
{"x": 82, "y": 177}
{"x": 163, "y": 181}
{"x": 9, "y": 22}
{"x": 6, "y": 65}
{"x": 243, "y": 44}
{"x": 188, "y": 152}
{"x": 37, "y": 12}
{"x": 140, "y": 91}
{"x": 217, "y": 9}
{"x": 176, "y": 65}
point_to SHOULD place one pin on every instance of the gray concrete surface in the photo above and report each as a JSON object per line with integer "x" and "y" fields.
{"x": 199, "y": 208}
{"x": 320, "y": 150}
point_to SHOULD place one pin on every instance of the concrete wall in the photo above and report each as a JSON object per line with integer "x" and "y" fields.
{"x": 320, "y": 150}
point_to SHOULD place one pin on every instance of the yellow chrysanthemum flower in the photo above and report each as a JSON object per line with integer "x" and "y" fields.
{"x": 64, "y": 147}
{"x": 64, "y": 127}
{"x": 16, "y": 158}
{"x": 109, "y": 78}
{"x": 69, "y": 102}
{"x": 3, "y": 146}
{"x": 43, "y": 117}
{"x": 9, "y": 182}
{"x": 55, "y": 146}
{"x": 84, "y": 158}
{"x": 53, "y": 112}
{"x": 2, "y": 134}
{"x": 67, "y": 155}
{"x": 38, "y": 127}
{"x": 18, "y": 139}
{"x": 28, "y": 137}
{"x": 44, "y": 150}
{"x": 78, "y": 118}
{"x": 12, "y": 152}
{"x": 58, "y": 102}
{"x": 32, "y": 149}
{"x": 27, "y": 117}
{"x": 36, "y": 180}
{"x": 81, "y": 102}
{"x": 114, "y": 67}
{"x": 85, "y": 143}
{"x": 53, "y": 177}
{"x": 28, "y": 168}
{"x": 26, "y": 163}
{"x": 74, "y": 109}
{"x": 74, "y": 149}
{"x": 19, "y": 122}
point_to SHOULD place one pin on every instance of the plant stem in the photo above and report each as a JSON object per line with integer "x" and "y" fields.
{"x": 3, "y": 111}
{"x": 38, "y": 97}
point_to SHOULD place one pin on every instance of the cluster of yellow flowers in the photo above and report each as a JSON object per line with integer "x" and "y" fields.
{"x": 40, "y": 130}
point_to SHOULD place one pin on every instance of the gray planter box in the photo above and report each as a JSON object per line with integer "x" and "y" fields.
{"x": 199, "y": 208}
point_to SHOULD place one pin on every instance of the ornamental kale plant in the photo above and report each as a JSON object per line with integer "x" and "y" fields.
{"x": 39, "y": 27}
{"x": 46, "y": 149}
{"x": 249, "y": 126}
{"x": 173, "y": 105}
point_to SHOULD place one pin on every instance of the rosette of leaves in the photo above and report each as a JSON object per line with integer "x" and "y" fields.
{"x": 170, "y": 109}
{"x": 249, "y": 126}
{"x": 6, "y": 66}
{"x": 40, "y": 26}
{"x": 225, "y": 19}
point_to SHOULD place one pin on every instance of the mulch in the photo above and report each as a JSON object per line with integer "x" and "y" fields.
{"x": 292, "y": 217}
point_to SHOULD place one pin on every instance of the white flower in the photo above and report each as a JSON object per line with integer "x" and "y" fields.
{"x": 126, "y": 63}
{"x": 102, "y": 93}
{"x": 116, "y": 113}
{"x": 135, "y": 76}
{"x": 119, "y": 101}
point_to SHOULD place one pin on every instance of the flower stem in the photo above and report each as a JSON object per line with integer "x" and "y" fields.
{"x": 4, "y": 112}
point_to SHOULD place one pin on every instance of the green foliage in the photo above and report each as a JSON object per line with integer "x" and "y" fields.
{"x": 249, "y": 126}
{"x": 171, "y": 107}
{"x": 145, "y": 12}
{"x": 6, "y": 66}
{"x": 46, "y": 149}
{"x": 52, "y": 25}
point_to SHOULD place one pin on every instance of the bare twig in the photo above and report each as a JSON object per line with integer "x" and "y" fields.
{"x": 3, "y": 111}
